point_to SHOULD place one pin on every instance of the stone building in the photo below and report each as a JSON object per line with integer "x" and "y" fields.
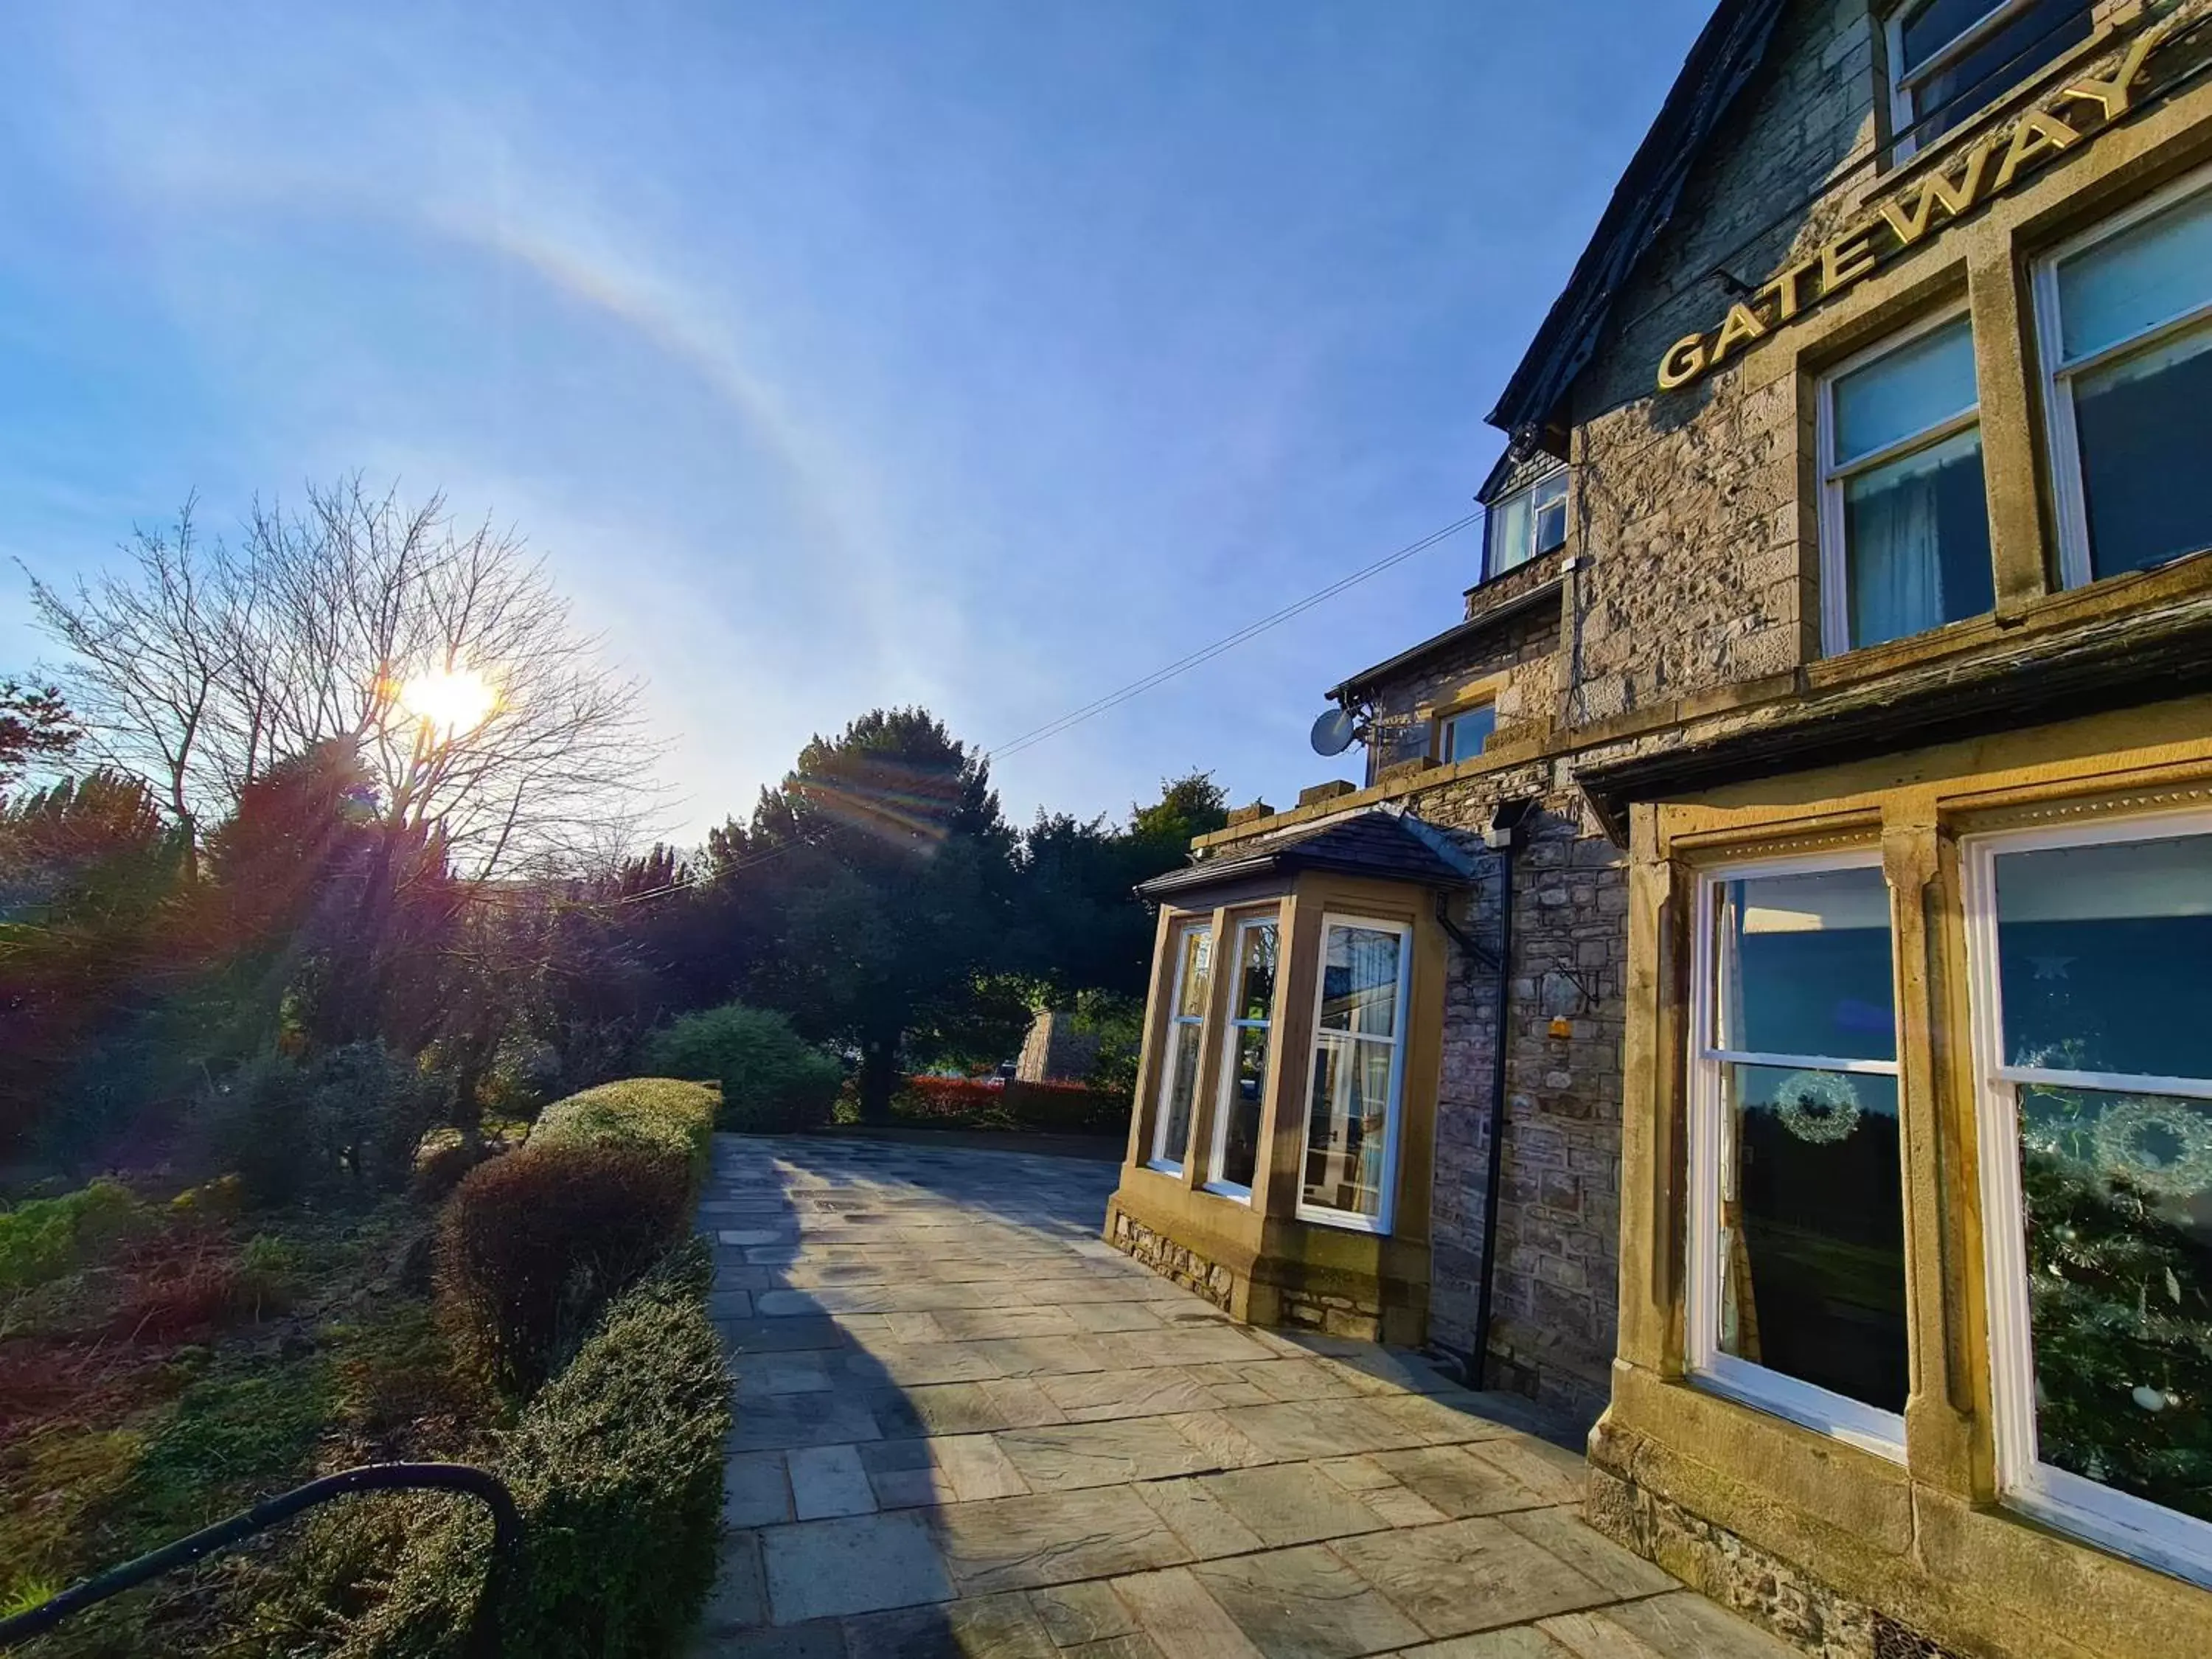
{"x": 1799, "y": 854}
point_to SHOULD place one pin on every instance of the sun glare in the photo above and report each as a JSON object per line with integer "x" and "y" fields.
{"x": 450, "y": 700}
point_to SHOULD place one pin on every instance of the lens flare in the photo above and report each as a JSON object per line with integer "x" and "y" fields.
{"x": 449, "y": 700}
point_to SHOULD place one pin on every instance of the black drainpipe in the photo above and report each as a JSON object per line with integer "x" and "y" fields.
{"x": 1503, "y": 840}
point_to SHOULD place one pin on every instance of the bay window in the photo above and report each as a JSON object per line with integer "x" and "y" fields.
{"x": 2092, "y": 955}
{"x": 1358, "y": 1073}
{"x": 1238, "y": 1118}
{"x": 2124, "y": 317}
{"x": 1905, "y": 529}
{"x": 1796, "y": 1298}
{"x": 1186, "y": 1034}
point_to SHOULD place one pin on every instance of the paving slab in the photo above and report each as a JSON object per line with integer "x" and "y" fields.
{"x": 966, "y": 1425}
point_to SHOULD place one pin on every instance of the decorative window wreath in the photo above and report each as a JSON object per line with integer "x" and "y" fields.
{"x": 1819, "y": 1107}
{"x": 2121, "y": 1131}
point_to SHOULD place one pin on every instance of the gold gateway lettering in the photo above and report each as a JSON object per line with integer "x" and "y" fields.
{"x": 1985, "y": 172}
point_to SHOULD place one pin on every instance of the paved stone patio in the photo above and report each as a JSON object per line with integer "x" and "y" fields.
{"x": 966, "y": 1425}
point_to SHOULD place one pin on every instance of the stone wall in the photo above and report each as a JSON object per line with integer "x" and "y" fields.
{"x": 1522, "y": 647}
{"x": 1054, "y": 1051}
{"x": 1555, "y": 1287}
{"x": 1763, "y": 1588}
{"x": 1691, "y": 503}
{"x": 1172, "y": 1261}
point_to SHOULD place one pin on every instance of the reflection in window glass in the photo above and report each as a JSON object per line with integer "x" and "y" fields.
{"x": 1354, "y": 1070}
{"x": 1945, "y": 79}
{"x": 1812, "y": 1249}
{"x": 2105, "y": 959}
{"x": 1808, "y": 1254}
{"x": 1905, "y": 476}
{"x": 1525, "y": 523}
{"x": 1186, "y": 1031}
{"x": 2138, "y": 410}
{"x": 1464, "y": 735}
{"x": 1236, "y": 1144}
{"x": 1805, "y": 966}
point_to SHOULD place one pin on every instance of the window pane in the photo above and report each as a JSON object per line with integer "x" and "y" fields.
{"x": 1240, "y": 1144}
{"x": 1922, "y": 382}
{"x": 1549, "y": 501}
{"x": 1466, "y": 735}
{"x": 2105, "y": 956}
{"x": 1359, "y": 981}
{"x": 1182, "y": 1089}
{"x": 1255, "y": 972}
{"x": 2149, "y": 274}
{"x": 1347, "y": 1129}
{"x": 1805, "y": 966}
{"x": 2119, "y": 1191}
{"x": 1916, "y": 542}
{"x": 2007, "y": 57}
{"x": 1931, "y": 27}
{"x": 1508, "y": 531}
{"x": 1195, "y": 972}
{"x": 2141, "y": 425}
{"x": 1813, "y": 1224}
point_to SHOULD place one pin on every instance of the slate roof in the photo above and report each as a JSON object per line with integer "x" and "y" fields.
{"x": 1543, "y": 592}
{"x": 1370, "y": 843}
{"x": 1727, "y": 53}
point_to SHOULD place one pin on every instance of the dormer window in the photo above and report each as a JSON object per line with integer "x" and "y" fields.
{"x": 1948, "y": 59}
{"x": 1527, "y": 522}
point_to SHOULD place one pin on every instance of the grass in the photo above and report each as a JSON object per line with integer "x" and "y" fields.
{"x": 170, "y": 1379}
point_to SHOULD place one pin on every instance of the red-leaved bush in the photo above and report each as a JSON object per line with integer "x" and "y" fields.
{"x": 532, "y": 1248}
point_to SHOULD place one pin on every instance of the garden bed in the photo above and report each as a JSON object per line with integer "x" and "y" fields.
{"x": 164, "y": 1364}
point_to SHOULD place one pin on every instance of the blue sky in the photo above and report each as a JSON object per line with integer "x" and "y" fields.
{"x": 984, "y": 356}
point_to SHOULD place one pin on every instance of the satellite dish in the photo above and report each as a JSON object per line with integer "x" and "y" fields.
{"x": 1334, "y": 731}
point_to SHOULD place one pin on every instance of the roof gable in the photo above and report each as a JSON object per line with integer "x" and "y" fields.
{"x": 1728, "y": 53}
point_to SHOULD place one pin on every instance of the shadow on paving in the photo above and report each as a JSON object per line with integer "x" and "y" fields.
{"x": 967, "y": 1425}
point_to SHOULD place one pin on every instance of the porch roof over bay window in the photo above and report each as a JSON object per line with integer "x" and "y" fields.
{"x": 1385, "y": 845}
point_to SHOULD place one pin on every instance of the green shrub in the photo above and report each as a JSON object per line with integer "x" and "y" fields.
{"x": 658, "y": 1113}
{"x": 348, "y": 1122}
{"x": 616, "y": 1466}
{"x": 532, "y": 1248}
{"x": 772, "y": 1079}
{"x": 44, "y": 1238}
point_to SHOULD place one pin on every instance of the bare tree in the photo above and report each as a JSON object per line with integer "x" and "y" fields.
{"x": 442, "y": 653}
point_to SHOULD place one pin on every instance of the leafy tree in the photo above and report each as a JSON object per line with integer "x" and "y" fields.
{"x": 891, "y": 895}
{"x": 1083, "y": 928}
{"x": 36, "y": 728}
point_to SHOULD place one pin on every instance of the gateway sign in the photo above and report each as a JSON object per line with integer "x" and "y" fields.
{"x": 1989, "y": 170}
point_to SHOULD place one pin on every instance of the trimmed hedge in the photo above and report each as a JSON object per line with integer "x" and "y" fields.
{"x": 987, "y": 1103}
{"x": 531, "y": 1247}
{"x": 618, "y": 1469}
{"x": 772, "y": 1078}
{"x": 659, "y": 1114}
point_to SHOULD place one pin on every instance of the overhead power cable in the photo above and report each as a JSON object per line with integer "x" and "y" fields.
{"x": 1228, "y": 643}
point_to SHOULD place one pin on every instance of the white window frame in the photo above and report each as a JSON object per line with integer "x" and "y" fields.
{"x": 1851, "y": 1421}
{"x": 2134, "y": 1526}
{"x": 1218, "y": 1183}
{"x": 1160, "y": 1160}
{"x": 2068, "y": 492}
{"x": 1493, "y": 512}
{"x": 1386, "y": 1205}
{"x": 1903, "y": 117}
{"x": 1446, "y": 726}
{"x": 1835, "y": 572}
